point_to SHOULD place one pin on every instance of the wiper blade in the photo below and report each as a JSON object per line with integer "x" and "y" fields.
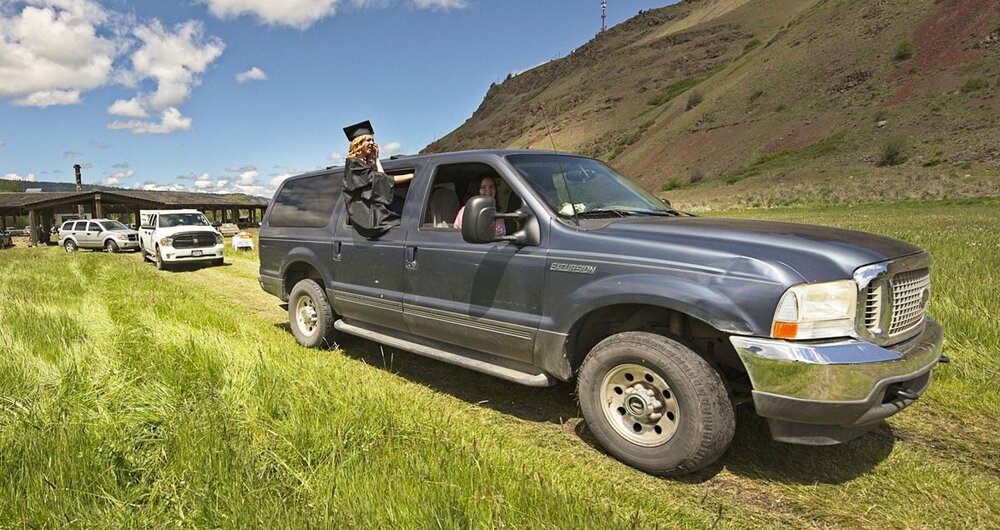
{"x": 604, "y": 212}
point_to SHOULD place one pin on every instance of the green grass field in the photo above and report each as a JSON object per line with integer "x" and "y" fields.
{"x": 136, "y": 398}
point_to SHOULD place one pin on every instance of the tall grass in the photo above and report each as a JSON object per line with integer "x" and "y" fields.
{"x": 136, "y": 398}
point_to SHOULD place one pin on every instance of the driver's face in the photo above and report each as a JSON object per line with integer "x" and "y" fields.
{"x": 487, "y": 187}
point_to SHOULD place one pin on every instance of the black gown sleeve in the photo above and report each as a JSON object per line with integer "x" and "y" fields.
{"x": 369, "y": 194}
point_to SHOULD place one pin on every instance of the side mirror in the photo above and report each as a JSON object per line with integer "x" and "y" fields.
{"x": 479, "y": 220}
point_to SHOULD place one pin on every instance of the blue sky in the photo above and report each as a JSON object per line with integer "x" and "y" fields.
{"x": 235, "y": 95}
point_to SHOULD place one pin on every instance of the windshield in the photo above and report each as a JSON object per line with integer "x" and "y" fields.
{"x": 113, "y": 225}
{"x": 569, "y": 183}
{"x": 183, "y": 219}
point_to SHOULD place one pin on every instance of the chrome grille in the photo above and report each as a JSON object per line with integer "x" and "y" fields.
{"x": 133, "y": 237}
{"x": 194, "y": 240}
{"x": 908, "y": 300}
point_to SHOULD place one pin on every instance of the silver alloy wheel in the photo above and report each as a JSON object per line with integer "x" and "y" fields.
{"x": 639, "y": 405}
{"x": 69, "y": 245}
{"x": 306, "y": 315}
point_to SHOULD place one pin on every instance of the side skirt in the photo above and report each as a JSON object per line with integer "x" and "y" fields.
{"x": 506, "y": 369}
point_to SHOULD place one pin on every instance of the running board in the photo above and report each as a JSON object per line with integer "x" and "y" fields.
{"x": 506, "y": 369}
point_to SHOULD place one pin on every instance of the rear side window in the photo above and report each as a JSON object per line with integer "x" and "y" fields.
{"x": 80, "y": 226}
{"x": 306, "y": 202}
{"x": 68, "y": 225}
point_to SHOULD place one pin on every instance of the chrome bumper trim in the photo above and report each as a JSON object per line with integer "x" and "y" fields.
{"x": 840, "y": 371}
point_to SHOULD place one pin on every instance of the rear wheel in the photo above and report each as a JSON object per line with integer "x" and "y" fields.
{"x": 70, "y": 245}
{"x": 655, "y": 404}
{"x": 111, "y": 246}
{"x": 310, "y": 315}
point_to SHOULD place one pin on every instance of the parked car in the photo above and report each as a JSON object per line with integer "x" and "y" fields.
{"x": 178, "y": 236}
{"x": 5, "y": 239}
{"x": 665, "y": 320}
{"x": 228, "y": 229}
{"x": 97, "y": 234}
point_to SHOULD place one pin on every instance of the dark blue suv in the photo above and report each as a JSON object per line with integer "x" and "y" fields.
{"x": 564, "y": 270}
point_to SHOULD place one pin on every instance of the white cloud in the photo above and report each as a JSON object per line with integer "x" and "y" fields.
{"x": 49, "y": 98}
{"x": 389, "y": 149}
{"x": 131, "y": 108}
{"x": 2, "y": 143}
{"x": 73, "y": 153}
{"x": 149, "y": 185}
{"x": 115, "y": 179}
{"x": 253, "y": 74}
{"x": 304, "y": 13}
{"x": 174, "y": 59}
{"x": 338, "y": 157}
{"x": 247, "y": 178}
{"x": 171, "y": 120}
{"x": 30, "y": 177}
{"x": 52, "y": 50}
{"x": 440, "y": 4}
{"x": 276, "y": 180}
{"x": 296, "y": 13}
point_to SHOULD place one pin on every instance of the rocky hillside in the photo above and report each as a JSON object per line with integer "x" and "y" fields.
{"x": 760, "y": 102}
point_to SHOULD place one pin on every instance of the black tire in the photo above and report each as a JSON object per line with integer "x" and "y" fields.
{"x": 70, "y": 245}
{"x": 142, "y": 252}
{"x": 321, "y": 333}
{"x": 700, "y": 429}
{"x": 158, "y": 259}
{"x": 111, "y": 246}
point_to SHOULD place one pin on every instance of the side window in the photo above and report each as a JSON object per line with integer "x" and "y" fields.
{"x": 68, "y": 225}
{"x": 455, "y": 184}
{"x": 95, "y": 227}
{"x": 80, "y": 226}
{"x": 306, "y": 202}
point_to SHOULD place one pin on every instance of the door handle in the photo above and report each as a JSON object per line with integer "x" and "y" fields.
{"x": 411, "y": 258}
{"x": 336, "y": 250}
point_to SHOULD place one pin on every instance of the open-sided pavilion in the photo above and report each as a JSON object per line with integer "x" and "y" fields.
{"x": 45, "y": 209}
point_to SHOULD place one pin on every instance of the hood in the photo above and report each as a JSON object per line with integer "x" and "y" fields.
{"x": 816, "y": 253}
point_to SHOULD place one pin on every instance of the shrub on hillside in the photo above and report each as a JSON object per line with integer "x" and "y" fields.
{"x": 974, "y": 84}
{"x": 904, "y": 51}
{"x": 671, "y": 184}
{"x": 694, "y": 99}
{"x": 894, "y": 151}
{"x": 697, "y": 176}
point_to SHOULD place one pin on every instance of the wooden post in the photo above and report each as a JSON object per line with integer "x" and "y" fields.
{"x": 3, "y": 222}
{"x": 46, "y": 223}
{"x": 98, "y": 211}
{"x": 32, "y": 228}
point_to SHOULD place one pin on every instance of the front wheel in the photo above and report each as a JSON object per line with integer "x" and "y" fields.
{"x": 110, "y": 246}
{"x": 310, "y": 315}
{"x": 158, "y": 259}
{"x": 655, "y": 404}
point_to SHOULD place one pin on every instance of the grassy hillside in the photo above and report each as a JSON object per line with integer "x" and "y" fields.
{"x": 136, "y": 398}
{"x": 727, "y": 102}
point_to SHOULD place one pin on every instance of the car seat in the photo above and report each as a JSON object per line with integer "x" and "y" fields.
{"x": 443, "y": 206}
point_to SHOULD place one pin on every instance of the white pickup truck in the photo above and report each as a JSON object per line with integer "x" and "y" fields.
{"x": 178, "y": 236}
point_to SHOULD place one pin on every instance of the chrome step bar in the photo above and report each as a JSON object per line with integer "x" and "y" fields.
{"x": 506, "y": 369}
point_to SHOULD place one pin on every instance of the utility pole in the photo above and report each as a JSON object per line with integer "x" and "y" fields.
{"x": 79, "y": 188}
{"x": 604, "y": 15}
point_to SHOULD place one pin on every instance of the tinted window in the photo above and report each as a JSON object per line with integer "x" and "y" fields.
{"x": 80, "y": 226}
{"x": 114, "y": 225}
{"x": 68, "y": 225}
{"x": 170, "y": 220}
{"x": 306, "y": 202}
{"x": 94, "y": 227}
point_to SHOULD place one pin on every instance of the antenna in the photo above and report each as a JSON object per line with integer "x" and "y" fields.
{"x": 604, "y": 15}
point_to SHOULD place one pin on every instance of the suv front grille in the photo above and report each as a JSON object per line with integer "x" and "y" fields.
{"x": 194, "y": 240}
{"x": 907, "y": 294}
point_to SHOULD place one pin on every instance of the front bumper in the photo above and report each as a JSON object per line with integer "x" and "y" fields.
{"x": 823, "y": 393}
{"x": 176, "y": 255}
{"x": 127, "y": 245}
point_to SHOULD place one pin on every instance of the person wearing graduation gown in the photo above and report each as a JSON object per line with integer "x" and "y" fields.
{"x": 366, "y": 185}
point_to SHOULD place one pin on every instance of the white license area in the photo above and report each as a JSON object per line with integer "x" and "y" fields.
{"x": 196, "y": 253}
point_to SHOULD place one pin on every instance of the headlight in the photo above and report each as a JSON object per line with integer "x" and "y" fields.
{"x": 121, "y": 237}
{"x": 167, "y": 241}
{"x": 816, "y": 311}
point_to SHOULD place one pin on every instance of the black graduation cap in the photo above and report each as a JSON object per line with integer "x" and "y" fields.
{"x": 358, "y": 129}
